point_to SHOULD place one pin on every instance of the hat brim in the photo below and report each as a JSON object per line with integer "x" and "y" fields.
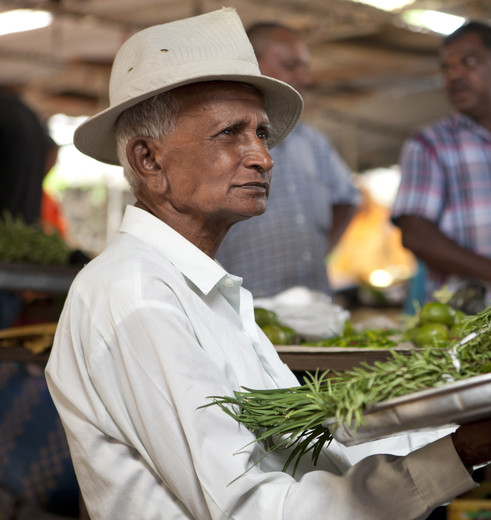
{"x": 95, "y": 137}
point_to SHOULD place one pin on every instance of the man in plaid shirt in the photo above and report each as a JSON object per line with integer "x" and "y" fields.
{"x": 443, "y": 205}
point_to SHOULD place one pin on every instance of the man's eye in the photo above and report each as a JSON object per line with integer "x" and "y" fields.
{"x": 263, "y": 133}
{"x": 291, "y": 65}
{"x": 230, "y": 130}
{"x": 470, "y": 61}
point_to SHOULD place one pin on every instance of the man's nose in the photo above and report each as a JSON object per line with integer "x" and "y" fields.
{"x": 454, "y": 71}
{"x": 300, "y": 78}
{"x": 303, "y": 77}
{"x": 258, "y": 156}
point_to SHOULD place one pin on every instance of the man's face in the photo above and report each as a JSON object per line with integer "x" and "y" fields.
{"x": 466, "y": 66}
{"x": 286, "y": 58}
{"x": 215, "y": 164}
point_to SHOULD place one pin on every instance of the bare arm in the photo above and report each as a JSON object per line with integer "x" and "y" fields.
{"x": 428, "y": 243}
{"x": 473, "y": 443}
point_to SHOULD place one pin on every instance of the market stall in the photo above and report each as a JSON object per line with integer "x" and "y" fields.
{"x": 31, "y": 345}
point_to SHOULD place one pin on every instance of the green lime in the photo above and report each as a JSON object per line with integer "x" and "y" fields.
{"x": 412, "y": 334}
{"x": 437, "y": 312}
{"x": 265, "y": 317}
{"x": 430, "y": 335}
{"x": 276, "y": 334}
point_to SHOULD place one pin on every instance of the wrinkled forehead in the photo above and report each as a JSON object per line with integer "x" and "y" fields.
{"x": 221, "y": 100}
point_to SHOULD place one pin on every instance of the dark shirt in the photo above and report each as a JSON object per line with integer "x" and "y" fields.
{"x": 23, "y": 149}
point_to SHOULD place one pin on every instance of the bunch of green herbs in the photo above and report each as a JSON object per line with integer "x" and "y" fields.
{"x": 370, "y": 338}
{"x": 295, "y": 417}
{"x": 21, "y": 242}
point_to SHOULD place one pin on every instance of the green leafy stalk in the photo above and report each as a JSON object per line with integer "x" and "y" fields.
{"x": 294, "y": 417}
{"x": 374, "y": 338}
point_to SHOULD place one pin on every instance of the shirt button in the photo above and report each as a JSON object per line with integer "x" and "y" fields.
{"x": 300, "y": 218}
{"x": 228, "y": 282}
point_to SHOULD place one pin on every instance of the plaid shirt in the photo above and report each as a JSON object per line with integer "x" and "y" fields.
{"x": 446, "y": 178}
{"x": 287, "y": 245}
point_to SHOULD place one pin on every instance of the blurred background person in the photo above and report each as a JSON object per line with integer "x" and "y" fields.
{"x": 443, "y": 203}
{"x": 312, "y": 198}
{"x": 26, "y": 151}
{"x": 37, "y": 480}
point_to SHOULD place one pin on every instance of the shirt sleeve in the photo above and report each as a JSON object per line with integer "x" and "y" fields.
{"x": 422, "y": 188}
{"x": 136, "y": 416}
{"x": 211, "y": 462}
{"x": 385, "y": 487}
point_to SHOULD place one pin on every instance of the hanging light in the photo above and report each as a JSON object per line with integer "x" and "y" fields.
{"x": 21, "y": 20}
{"x": 386, "y": 5}
{"x": 436, "y": 21}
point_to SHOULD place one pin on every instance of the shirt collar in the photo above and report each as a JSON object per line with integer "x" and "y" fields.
{"x": 467, "y": 122}
{"x": 463, "y": 120}
{"x": 199, "y": 268}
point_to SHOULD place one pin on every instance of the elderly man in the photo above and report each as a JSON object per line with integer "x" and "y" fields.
{"x": 153, "y": 326}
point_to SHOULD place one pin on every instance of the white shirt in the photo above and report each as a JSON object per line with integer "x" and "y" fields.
{"x": 150, "y": 330}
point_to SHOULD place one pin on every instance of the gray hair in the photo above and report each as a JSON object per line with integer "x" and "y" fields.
{"x": 153, "y": 117}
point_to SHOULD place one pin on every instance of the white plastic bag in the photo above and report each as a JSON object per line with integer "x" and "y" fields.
{"x": 310, "y": 313}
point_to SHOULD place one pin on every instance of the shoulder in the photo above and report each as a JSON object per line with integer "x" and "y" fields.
{"x": 442, "y": 131}
{"x": 309, "y": 132}
{"x": 433, "y": 140}
{"x": 309, "y": 139}
{"x": 125, "y": 274}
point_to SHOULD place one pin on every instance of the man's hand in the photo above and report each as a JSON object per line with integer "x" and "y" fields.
{"x": 473, "y": 443}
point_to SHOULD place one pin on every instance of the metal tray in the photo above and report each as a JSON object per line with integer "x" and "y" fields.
{"x": 451, "y": 404}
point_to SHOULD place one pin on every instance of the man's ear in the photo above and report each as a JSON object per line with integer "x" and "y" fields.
{"x": 143, "y": 156}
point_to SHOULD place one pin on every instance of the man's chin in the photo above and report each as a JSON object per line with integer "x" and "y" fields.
{"x": 465, "y": 105}
{"x": 471, "y": 112}
{"x": 250, "y": 214}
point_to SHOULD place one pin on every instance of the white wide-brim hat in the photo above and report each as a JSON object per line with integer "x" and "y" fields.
{"x": 212, "y": 46}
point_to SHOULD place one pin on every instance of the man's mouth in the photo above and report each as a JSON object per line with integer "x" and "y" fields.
{"x": 255, "y": 186}
{"x": 459, "y": 89}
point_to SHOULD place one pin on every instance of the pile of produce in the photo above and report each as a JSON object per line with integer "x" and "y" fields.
{"x": 433, "y": 326}
{"x": 294, "y": 417}
{"x": 281, "y": 334}
{"x": 369, "y": 338}
{"x": 20, "y": 242}
{"x": 437, "y": 322}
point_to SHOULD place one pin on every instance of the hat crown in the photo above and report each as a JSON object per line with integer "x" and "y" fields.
{"x": 209, "y": 47}
{"x": 153, "y": 57}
